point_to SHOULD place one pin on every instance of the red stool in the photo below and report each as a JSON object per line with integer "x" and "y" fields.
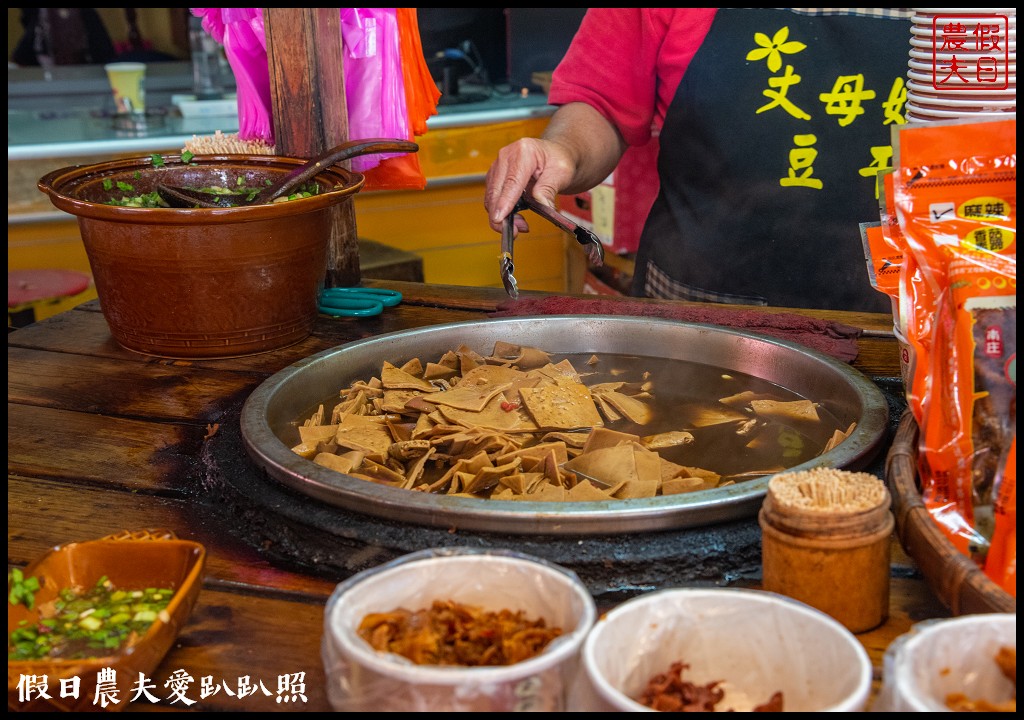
{"x": 34, "y": 295}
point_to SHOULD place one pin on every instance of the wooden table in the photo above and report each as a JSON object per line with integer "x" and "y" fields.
{"x": 101, "y": 439}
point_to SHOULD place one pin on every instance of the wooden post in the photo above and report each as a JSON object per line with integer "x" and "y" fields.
{"x": 307, "y": 89}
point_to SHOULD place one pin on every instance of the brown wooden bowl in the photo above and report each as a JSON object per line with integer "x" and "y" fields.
{"x": 132, "y": 561}
{"x": 954, "y": 578}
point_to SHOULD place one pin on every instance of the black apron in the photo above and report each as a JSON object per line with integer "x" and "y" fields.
{"x": 763, "y": 208}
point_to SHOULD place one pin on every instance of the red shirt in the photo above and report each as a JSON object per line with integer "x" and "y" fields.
{"x": 627, "y": 63}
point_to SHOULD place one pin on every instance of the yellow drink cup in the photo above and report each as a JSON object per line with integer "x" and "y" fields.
{"x": 127, "y": 80}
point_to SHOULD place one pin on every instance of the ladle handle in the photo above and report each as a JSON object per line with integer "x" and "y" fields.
{"x": 340, "y": 153}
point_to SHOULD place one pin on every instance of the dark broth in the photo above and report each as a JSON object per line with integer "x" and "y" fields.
{"x": 684, "y": 392}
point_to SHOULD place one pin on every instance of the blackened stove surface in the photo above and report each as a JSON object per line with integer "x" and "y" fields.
{"x": 299, "y": 533}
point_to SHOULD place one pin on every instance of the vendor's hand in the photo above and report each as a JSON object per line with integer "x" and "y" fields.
{"x": 540, "y": 167}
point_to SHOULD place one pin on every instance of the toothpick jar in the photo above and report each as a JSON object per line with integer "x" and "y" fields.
{"x": 826, "y": 537}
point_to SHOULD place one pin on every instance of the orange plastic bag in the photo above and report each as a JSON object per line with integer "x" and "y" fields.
{"x": 956, "y": 199}
{"x": 1001, "y": 564}
{"x": 909, "y": 290}
{"x": 421, "y": 92}
{"x": 884, "y": 261}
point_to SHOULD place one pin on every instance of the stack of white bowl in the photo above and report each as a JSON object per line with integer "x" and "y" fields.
{"x": 934, "y": 92}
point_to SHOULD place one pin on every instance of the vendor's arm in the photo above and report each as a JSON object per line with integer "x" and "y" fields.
{"x": 613, "y": 85}
{"x": 577, "y": 151}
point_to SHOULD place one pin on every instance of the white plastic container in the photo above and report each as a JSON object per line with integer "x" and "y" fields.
{"x": 361, "y": 679}
{"x": 756, "y": 643}
{"x": 941, "y": 657}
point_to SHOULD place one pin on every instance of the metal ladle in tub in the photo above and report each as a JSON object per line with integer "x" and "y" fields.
{"x": 182, "y": 197}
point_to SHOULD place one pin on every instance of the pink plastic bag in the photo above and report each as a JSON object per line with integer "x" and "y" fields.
{"x": 374, "y": 80}
{"x": 241, "y": 32}
{"x": 374, "y": 84}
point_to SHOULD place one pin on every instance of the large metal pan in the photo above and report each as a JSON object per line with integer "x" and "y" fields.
{"x": 269, "y": 419}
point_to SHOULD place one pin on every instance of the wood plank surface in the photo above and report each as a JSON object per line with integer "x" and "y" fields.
{"x": 114, "y": 387}
{"x": 116, "y": 453}
{"x": 101, "y": 439}
{"x": 421, "y": 305}
{"x": 281, "y": 637}
{"x": 48, "y": 513}
{"x": 82, "y": 331}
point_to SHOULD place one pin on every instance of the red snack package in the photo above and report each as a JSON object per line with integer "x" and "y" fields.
{"x": 956, "y": 200}
{"x": 912, "y": 291}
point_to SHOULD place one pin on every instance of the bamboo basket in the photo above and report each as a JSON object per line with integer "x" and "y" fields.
{"x": 957, "y": 581}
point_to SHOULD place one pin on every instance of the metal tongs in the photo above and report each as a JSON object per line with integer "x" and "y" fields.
{"x": 590, "y": 242}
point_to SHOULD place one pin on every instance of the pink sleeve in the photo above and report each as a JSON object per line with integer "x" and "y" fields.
{"x": 627, "y": 64}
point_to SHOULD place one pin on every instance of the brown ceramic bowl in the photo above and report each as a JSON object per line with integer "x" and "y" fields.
{"x": 132, "y": 560}
{"x": 202, "y": 282}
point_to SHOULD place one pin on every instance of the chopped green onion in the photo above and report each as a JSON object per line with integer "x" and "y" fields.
{"x": 22, "y": 590}
{"x": 88, "y": 624}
